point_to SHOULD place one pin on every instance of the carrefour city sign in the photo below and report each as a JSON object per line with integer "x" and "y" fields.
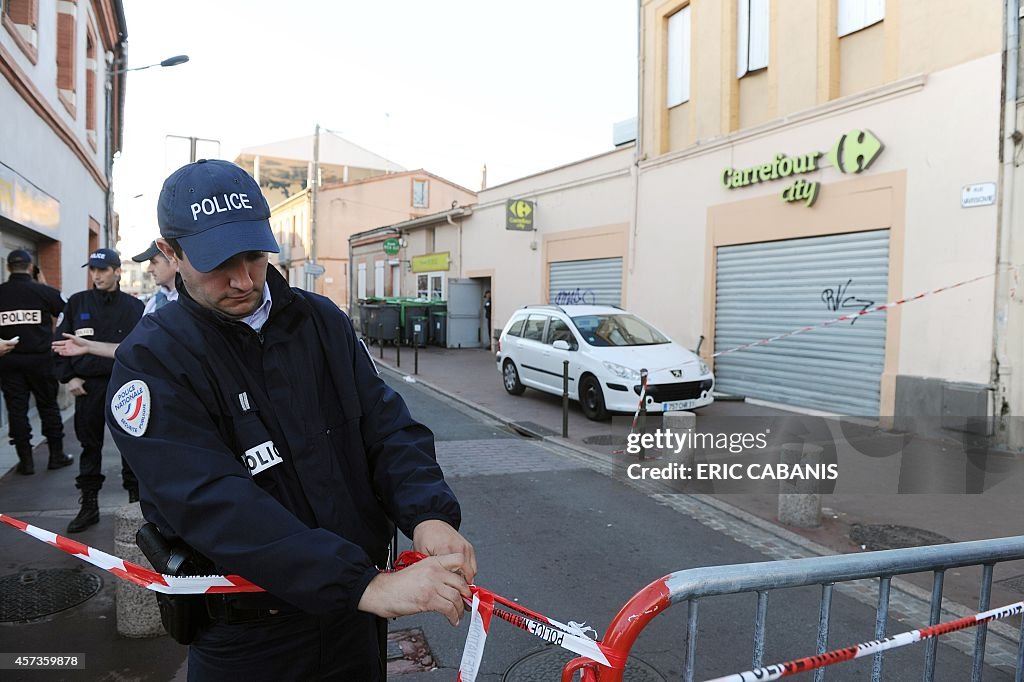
{"x": 852, "y": 153}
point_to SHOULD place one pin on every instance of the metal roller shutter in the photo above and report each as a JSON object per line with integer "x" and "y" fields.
{"x": 772, "y": 288}
{"x": 595, "y": 282}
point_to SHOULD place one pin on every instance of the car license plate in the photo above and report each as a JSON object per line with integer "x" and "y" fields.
{"x": 677, "y": 405}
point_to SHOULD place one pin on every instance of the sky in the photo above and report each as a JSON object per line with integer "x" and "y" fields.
{"x": 444, "y": 85}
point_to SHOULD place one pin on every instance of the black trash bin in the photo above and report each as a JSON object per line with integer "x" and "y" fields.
{"x": 367, "y": 314}
{"x": 439, "y": 328}
{"x": 387, "y": 315}
{"x": 423, "y": 337}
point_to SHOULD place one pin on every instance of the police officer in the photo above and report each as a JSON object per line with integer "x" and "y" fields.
{"x": 264, "y": 439}
{"x": 27, "y": 313}
{"x": 103, "y": 313}
{"x": 164, "y": 273}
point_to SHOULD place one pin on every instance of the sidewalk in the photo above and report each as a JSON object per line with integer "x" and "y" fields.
{"x": 471, "y": 377}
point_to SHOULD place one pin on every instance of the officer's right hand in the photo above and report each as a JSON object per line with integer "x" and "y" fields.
{"x": 430, "y": 584}
{"x": 76, "y": 386}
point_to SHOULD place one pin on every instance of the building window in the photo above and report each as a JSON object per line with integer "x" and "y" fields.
{"x": 679, "y": 57}
{"x": 751, "y": 36}
{"x": 420, "y": 197}
{"x": 857, "y": 14}
{"x": 21, "y": 17}
{"x": 67, "y": 16}
{"x": 90, "y": 86}
{"x": 430, "y": 286}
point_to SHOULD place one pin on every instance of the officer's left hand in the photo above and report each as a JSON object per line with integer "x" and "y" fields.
{"x": 7, "y": 345}
{"x": 436, "y": 538}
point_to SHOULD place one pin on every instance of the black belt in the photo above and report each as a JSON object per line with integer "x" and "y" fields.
{"x": 239, "y": 609}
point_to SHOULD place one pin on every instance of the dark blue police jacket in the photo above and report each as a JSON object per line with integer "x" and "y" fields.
{"x": 281, "y": 456}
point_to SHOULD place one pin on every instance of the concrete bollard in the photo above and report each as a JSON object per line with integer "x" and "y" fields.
{"x": 679, "y": 422}
{"x": 799, "y": 499}
{"x": 138, "y": 615}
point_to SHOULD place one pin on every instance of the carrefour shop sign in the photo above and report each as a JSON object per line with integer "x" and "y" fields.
{"x": 852, "y": 153}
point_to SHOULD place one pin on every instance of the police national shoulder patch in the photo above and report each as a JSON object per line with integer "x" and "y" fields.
{"x": 130, "y": 407}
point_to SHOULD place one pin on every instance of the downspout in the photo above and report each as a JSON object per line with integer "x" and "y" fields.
{"x": 459, "y": 226}
{"x": 1004, "y": 397}
{"x": 637, "y": 149}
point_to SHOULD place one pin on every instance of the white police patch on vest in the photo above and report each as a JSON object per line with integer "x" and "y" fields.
{"x": 131, "y": 408}
{"x": 261, "y": 457}
{"x": 9, "y": 317}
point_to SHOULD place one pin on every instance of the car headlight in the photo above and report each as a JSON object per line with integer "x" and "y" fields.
{"x": 622, "y": 371}
{"x": 704, "y": 369}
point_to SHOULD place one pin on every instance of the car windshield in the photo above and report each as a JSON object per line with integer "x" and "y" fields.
{"x": 617, "y": 329}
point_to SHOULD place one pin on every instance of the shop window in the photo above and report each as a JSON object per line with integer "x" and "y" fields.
{"x": 857, "y": 14}
{"x": 751, "y": 36}
{"x": 422, "y": 287}
{"x": 679, "y": 57}
{"x": 21, "y": 17}
{"x": 420, "y": 196}
{"x": 430, "y": 285}
{"x": 67, "y": 17}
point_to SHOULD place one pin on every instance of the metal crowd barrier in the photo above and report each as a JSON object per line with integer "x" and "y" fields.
{"x": 694, "y": 584}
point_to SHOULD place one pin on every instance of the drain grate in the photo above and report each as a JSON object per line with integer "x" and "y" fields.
{"x": 605, "y": 439}
{"x": 533, "y": 429}
{"x": 408, "y": 652}
{"x": 546, "y": 665}
{"x": 887, "y": 536}
{"x": 34, "y": 594}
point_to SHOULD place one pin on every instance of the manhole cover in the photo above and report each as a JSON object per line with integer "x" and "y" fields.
{"x": 1016, "y": 583}
{"x": 886, "y": 536}
{"x": 546, "y": 665}
{"x": 33, "y": 594}
{"x": 408, "y": 653}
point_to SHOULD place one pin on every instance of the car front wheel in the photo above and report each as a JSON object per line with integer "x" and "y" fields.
{"x": 510, "y": 378}
{"x": 592, "y": 399}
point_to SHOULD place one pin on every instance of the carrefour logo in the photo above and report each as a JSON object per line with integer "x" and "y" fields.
{"x": 853, "y": 152}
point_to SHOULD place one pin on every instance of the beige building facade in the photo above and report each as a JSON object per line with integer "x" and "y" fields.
{"x": 842, "y": 156}
{"x": 344, "y": 209}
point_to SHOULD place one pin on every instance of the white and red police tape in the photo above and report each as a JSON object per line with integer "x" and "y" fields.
{"x": 800, "y": 665}
{"x": 571, "y": 636}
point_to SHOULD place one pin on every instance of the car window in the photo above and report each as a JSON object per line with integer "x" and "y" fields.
{"x": 617, "y": 329}
{"x": 534, "y": 328}
{"x": 517, "y": 327}
{"x": 558, "y": 330}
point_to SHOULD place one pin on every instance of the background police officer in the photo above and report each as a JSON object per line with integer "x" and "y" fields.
{"x": 103, "y": 313}
{"x": 27, "y": 313}
{"x": 164, "y": 271}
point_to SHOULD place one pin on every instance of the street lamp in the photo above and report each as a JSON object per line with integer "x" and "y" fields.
{"x": 109, "y": 161}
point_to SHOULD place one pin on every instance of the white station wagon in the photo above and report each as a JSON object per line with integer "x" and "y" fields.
{"x": 606, "y": 348}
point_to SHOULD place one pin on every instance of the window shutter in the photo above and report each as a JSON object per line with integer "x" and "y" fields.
{"x": 742, "y": 37}
{"x": 874, "y": 11}
{"x": 850, "y": 17}
{"x": 65, "y": 51}
{"x": 679, "y": 57}
{"x": 758, "y": 29}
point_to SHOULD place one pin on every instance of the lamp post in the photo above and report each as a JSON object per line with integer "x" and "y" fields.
{"x": 109, "y": 124}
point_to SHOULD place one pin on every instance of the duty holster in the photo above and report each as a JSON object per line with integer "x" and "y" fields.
{"x": 182, "y": 615}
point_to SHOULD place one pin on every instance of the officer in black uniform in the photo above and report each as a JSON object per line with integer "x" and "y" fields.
{"x": 103, "y": 313}
{"x": 27, "y": 313}
{"x": 264, "y": 439}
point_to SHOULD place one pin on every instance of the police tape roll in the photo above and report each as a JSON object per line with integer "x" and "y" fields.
{"x": 800, "y": 665}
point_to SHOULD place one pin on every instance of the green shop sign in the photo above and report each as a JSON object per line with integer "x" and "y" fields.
{"x": 852, "y": 153}
{"x": 392, "y": 246}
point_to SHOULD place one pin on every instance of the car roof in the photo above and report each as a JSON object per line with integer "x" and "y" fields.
{"x": 577, "y": 310}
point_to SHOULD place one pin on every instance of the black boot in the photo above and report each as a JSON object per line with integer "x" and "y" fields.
{"x": 58, "y": 459}
{"x": 89, "y": 514}
{"x": 25, "y": 465}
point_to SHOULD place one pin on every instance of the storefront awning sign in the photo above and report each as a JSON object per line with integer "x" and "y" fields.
{"x": 24, "y": 203}
{"x": 431, "y": 262}
{"x": 519, "y": 215}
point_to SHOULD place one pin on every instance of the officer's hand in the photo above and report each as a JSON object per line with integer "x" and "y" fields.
{"x": 76, "y": 387}
{"x": 435, "y": 537}
{"x": 71, "y": 346}
{"x": 428, "y": 585}
{"x": 7, "y": 345}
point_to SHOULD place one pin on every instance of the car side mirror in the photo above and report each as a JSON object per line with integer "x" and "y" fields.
{"x": 561, "y": 344}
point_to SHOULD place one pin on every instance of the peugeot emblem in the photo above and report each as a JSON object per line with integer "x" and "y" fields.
{"x": 677, "y": 373}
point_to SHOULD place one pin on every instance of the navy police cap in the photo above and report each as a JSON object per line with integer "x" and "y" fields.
{"x": 215, "y": 210}
{"x": 103, "y": 258}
